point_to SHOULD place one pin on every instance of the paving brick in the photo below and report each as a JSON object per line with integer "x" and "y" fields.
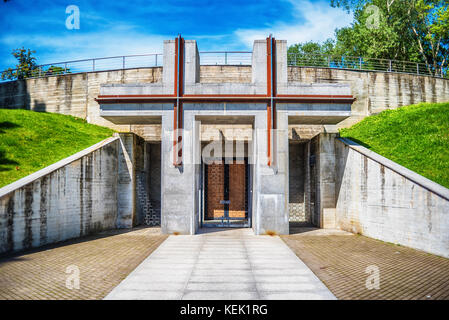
{"x": 340, "y": 259}
{"x": 104, "y": 261}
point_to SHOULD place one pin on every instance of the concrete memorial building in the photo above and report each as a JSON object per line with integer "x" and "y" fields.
{"x": 251, "y": 145}
{"x": 239, "y": 153}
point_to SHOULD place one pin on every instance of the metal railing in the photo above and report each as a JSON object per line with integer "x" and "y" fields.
{"x": 208, "y": 58}
{"x": 359, "y": 63}
{"x": 230, "y": 58}
{"x": 95, "y": 64}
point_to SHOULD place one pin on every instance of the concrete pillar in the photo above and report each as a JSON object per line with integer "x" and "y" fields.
{"x": 281, "y": 65}
{"x": 271, "y": 183}
{"x": 259, "y": 65}
{"x": 126, "y": 195}
{"x": 192, "y": 63}
{"x": 327, "y": 180}
{"x": 179, "y": 186}
{"x": 168, "y": 71}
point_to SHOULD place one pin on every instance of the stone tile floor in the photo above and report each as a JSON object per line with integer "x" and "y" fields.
{"x": 103, "y": 260}
{"x": 222, "y": 264}
{"x": 340, "y": 260}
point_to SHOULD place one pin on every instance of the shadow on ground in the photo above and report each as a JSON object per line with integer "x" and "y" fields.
{"x": 18, "y": 255}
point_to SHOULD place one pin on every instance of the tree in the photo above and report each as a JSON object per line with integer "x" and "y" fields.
{"x": 413, "y": 30}
{"x": 311, "y": 53}
{"x": 26, "y": 66}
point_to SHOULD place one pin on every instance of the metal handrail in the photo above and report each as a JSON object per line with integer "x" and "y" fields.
{"x": 232, "y": 58}
{"x": 361, "y": 63}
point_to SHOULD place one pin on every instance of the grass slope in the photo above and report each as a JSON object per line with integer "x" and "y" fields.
{"x": 416, "y": 137}
{"x": 30, "y": 141}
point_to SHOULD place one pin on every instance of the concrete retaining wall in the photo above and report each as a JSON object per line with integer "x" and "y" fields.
{"x": 377, "y": 91}
{"x": 74, "y": 197}
{"x": 75, "y": 94}
{"x": 383, "y": 200}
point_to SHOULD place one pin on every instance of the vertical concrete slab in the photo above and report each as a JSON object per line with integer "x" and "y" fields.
{"x": 326, "y": 179}
{"x": 281, "y": 66}
{"x": 126, "y": 181}
{"x": 259, "y": 66}
{"x": 179, "y": 187}
{"x": 191, "y": 63}
{"x": 168, "y": 72}
{"x": 271, "y": 183}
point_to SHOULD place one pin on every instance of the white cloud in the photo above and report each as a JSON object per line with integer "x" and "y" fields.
{"x": 78, "y": 45}
{"x": 317, "y": 21}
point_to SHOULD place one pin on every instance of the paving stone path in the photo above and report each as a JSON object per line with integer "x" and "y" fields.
{"x": 341, "y": 259}
{"x": 103, "y": 261}
{"x": 222, "y": 264}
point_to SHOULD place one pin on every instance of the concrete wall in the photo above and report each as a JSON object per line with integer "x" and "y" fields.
{"x": 76, "y": 199}
{"x": 377, "y": 91}
{"x": 80, "y": 195}
{"x": 383, "y": 200}
{"x": 75, "y": 94}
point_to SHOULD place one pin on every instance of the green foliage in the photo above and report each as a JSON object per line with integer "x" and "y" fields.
{"x": 30, "y": 141}
{"x": 55, "y": 70}
{"x": 26, "y": 66}
{"x": 416, "y": 137}
{"x": 310, "y": 53}
{"x": 412, "y": 30}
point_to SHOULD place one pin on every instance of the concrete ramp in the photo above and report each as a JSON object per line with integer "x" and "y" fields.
{"x": 222, "y": 265}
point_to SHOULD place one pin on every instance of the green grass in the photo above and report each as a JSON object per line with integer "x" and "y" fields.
{"x": 30, "y": 141}
{"x": 416, "y": 137}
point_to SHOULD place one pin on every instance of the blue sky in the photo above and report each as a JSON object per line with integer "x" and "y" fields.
{"x": 109, "y": 28}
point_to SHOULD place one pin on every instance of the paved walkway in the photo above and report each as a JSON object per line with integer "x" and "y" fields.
{"x": 103, "y": 261}
{"x": 341, "y": 259}
{"x": 231, "y": 264}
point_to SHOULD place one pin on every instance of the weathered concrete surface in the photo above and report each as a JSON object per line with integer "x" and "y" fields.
{"x": 74, "y": 94}
{"x": 76, "y": 199}
{"x": 383, "y": 200}
{"x": 83, "y": 194}
{"x": 222, "y": 265}
{"x": 377, "y": 91}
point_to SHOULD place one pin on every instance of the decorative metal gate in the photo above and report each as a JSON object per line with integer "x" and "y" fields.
{"x": 226, "y": 194}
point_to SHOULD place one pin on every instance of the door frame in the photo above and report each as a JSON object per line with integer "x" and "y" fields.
{"x": 226, "y": 220}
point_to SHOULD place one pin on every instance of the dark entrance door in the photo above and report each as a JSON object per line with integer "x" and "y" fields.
{"x": 226, "y": 187}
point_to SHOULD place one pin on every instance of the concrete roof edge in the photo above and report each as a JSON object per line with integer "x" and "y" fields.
{"x": 53, "y": 167}
{"x": 403, "y": 171}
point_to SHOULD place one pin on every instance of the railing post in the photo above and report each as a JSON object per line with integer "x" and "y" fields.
{"x": 156, "y": 60}
{"x": 123, "y": 62}
{"x": 360, "y": 63}
{"x": 93, "y": 64}
{"x": 328, "y": 61}
{"x": 226, "y": 58}
{"x": 417, "y": 68}
{"x": 65, "y": 67}
{"x": 389, "y": 68}
{"x": 40, "y": 71}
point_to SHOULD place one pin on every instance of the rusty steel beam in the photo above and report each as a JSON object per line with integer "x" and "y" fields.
{"x": 271, "y": 94}
{"x": 111, "y": 99}
{"x": 177, "y": 108}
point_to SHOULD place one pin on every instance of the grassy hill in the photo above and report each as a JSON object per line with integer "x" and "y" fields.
{"x": 30, "y": 141}
{"x": 416, "y": 137}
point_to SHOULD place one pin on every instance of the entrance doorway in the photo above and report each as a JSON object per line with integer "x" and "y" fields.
{"x": 226, "y": 194}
